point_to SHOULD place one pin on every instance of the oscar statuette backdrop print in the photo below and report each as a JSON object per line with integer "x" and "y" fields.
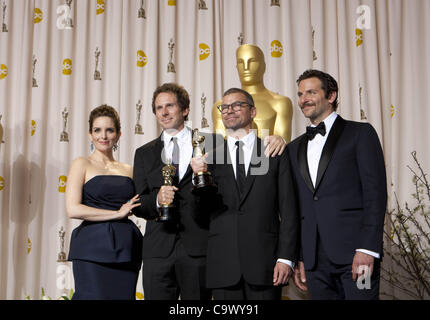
{"x": 59, "y": 59}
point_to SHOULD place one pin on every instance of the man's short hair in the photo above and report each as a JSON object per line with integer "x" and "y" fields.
{"x": 328, "y": 83}
{"x": 181, "y": 95}
{"x": 248, "y": 97}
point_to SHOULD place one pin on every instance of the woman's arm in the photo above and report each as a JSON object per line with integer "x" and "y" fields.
{"x": 74, "y": 207}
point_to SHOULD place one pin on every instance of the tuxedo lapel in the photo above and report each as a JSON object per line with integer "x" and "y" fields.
{"x": 189, "y": 169}
{"x": 329, "y": 148}
{"x": 302, "y": 160}
{"x": 155, "y": 159}
{"x": 159, "y": 150}
{"x": 186, "y": 175}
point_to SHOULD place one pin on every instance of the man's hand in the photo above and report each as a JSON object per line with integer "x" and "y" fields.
{"x": 281, "y": 273}
{"x": 300, "y": 276}
{"x": 361, "y": 259}
{"x": 275, "y": 145}
{"x": 198, "y": 164}
{"x": 166, "y": 194}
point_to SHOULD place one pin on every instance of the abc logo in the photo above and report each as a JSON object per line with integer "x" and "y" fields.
{"x": 142, "y": 59}
{"x": 1, "y": 183}
{"x": 38, "y": 15}
{"x": 204, "y": 51}
{"x": 3, "y": 71}
{"x": 29, "y": 245}
{"x": 62, "y": 181}
{"x": 171, "y": 3}
{"x": 33, "y": 127}
{"x": 276, "y": 49}
{"x": 100, "y": 6}
{"x": 359, "y": 37}
{"x": 67, "y": 67}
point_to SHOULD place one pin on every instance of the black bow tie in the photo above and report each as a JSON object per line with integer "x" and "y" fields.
{"x": 311, "y": 132}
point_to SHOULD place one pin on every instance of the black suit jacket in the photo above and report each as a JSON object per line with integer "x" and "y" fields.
{"x": 248, "y": 233}
{"x": 347, "y": 205}
{"x": 159, "y": 238}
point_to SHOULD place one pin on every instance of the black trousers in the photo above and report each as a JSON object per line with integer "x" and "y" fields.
{"x": 178, "y": 275}
{"x": 245, "y": 291}
{"x": 329, "y": 281}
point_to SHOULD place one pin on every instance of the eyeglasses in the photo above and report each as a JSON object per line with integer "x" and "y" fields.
{"x": 235, "y": 106}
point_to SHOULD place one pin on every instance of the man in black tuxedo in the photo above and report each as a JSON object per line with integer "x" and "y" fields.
{"x": 174, "y": 253}
{"x": 253, "y": 228}
{"x": 339, "y": 173}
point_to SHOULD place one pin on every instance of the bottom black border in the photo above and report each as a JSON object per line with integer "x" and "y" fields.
{"x": 214, "y": 309}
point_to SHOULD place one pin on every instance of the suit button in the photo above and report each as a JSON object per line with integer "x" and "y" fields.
{"x": 315, "y": 198}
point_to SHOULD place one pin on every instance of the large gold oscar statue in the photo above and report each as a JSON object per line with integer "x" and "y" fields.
{"x": 274, "y": 112}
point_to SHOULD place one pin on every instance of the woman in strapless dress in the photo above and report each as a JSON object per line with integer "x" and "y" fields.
{"x": 106, "y": 248}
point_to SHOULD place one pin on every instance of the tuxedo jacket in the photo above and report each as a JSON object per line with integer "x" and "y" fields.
{"x": 347, "y": 205}
{"x": 249, "y": 232}
{"x": 160, "y": 237}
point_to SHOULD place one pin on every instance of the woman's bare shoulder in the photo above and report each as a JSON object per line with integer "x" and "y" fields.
{"x": 126, "y": 169}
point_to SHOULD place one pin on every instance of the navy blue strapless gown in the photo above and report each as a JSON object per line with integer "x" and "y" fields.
{"x": 106, "y": 255}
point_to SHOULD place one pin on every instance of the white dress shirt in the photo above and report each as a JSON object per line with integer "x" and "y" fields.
{"x": 248, "y": 146}
{"x": 315, "y": 148}
{"x": 185, "y": 149}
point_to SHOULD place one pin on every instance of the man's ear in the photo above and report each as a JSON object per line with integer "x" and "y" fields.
{"x": 186, "y": 112}
{"x": 332, "y": 96}
{"x": 253, "y": 112}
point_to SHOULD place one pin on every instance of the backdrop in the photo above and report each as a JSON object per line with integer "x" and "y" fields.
{"x": 61, "y": 58}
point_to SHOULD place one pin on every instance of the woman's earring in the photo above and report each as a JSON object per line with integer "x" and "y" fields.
{"x": 92, "y": 147}
{"x": 115, "y": 147}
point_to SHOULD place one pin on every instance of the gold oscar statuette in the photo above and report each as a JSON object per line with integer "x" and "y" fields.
{"x": 69, "y": 20}
{"x": 64, "y": 137}
{"x": 138, "y": 128}
{"x": 141, "y": 13}
{"x": 171, "y": 66}
{"x": 240, "y": 39}
{"x": 97, "y": 75}
{"x": 61, "y": 255}
{"x": 202, "y": 181}
{"x": 166, "y": 210}
{"x": 202, "y": 5}
{"x": 275, "y": 3}
{"x": 274, "y": 111}
{"x": 4, "y": 26}
{"x": 34, "y": 83}
{"x": 313, "y": 45}
{"x": 362, "y": 112}
{"x": 205, "y": 123}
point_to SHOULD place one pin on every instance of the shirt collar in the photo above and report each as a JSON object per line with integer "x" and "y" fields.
{"x": 247, "y": 140}
{"x": 183, "y": 136}
{"x": 329, "y": 121}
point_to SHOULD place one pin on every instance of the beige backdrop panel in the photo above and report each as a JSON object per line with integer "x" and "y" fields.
{"x": 376, "y": 49}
